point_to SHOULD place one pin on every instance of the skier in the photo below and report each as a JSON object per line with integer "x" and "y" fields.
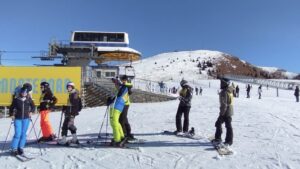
{"x": 20, "y": 112}
{"x": 47, "y": 101}
{"x": 226, "y": 113}
{"x": 200, "y": 92}
{"x": 117, "y": 106}
{"x": 196, "y": 90}
{"x": 259, "y": 92}
{"x": 71, "y": 111}
{"x": 237, "y": 91}
{"x": 184, "y": 107}
{"x": 123, "y": 117}
{"x": 248, "y": 90}
{"x": 297, "y": 93}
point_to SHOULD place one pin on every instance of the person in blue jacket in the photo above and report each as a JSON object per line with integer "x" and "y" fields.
{"x": 117, "y": 105}
{"x": 20, "y": 111}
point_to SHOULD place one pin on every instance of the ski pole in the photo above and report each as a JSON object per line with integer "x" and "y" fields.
{"x": 11, "y": 123}
{"x": 99, "y": 136}
{"x": 106, "y": 134}
{"x": 61, "y": 116}
{"x": 34, "y": 124}
{"x": 36, "y": 136}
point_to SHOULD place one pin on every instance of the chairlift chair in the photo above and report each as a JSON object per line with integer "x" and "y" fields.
{"x": 129, "y": 71}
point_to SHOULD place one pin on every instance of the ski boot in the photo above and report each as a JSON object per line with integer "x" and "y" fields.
{"x": 20, "y": 151}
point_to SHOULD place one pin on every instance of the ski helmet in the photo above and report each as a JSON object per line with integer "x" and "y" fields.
{"x": 124, "y": 77}
{"x": 183, "y": 83}
{"x": 23, "y": 90}
{"x": 45, "y": 84}
{"x": 224, "y": 82}
{"x": 70, "y": 84}
{"x": 28, "y": 86}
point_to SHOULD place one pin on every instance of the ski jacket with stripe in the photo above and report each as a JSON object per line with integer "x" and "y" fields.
{"x": 21, "y": 107}
{"x": 122, "y": 98}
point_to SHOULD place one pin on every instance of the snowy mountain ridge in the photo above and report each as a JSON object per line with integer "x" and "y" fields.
{"x": 201, "y": 64}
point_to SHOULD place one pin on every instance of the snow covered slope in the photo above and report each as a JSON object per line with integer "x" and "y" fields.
{"x": 174, "y": 66}
{"x": 266, "y": 136}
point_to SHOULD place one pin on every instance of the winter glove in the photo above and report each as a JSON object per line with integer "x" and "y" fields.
{"x": 109, "y": 101}
{"x": 64, "y": 109}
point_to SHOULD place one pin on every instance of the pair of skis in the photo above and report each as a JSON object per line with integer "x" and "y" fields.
{"x": 23, "y": 157}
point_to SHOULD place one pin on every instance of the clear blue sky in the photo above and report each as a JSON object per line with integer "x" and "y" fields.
{"x": 262, "y": 32}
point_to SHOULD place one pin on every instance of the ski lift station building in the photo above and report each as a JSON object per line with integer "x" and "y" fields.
{"x": 100, "y": 47}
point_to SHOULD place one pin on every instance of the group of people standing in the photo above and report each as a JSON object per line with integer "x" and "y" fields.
{"x": 23, "y": 106}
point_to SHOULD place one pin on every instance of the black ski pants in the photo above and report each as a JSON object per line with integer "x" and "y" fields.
{"x": 229, "y": 131}
{"x": 68, "y": 125}
{"x": 124, "y": 121}
{"x": 185, "y": 111}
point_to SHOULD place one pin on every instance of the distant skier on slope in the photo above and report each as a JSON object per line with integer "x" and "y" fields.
{"x": 297, "y": 93}
{"x": 248, "y": 89}
{"x": 237, "y": 91}
{"x": 259, "y": 91}
{"x": 185, "y": 97}
{"x": 226, "y": 113}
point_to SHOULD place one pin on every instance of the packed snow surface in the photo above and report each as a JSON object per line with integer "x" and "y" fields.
{"x": 266, "y": 136}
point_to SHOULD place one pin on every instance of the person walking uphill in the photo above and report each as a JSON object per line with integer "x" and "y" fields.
{"x": 297, "y": 93}
{"x": 226, "y": 113}
{"x": 47, "y": 101}
{"x": 71, "y": 111}
{"x": 20, "y": 111}
{"x": 185, "y": 97}
{"x": 123, "y": 117}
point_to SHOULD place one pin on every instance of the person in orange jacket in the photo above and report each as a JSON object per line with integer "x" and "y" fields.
{"x": 47, "y": 101}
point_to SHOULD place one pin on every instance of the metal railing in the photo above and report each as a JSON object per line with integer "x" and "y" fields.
{"x": 264, "y": 82}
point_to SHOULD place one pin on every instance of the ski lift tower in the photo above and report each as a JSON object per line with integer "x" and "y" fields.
{"x": 87, "y": 46}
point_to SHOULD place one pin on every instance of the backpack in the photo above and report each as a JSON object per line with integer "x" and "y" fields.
{"x": 80, "y": 106}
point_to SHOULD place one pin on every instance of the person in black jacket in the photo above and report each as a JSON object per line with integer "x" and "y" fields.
{"x": 248, "y": 90}
{"x": 47, "y": 101}
{"x": 297, "y": 93}
{"x": 185, "y": 97}
{"x": 237, "y": 91}
{"x": 20, "y": 111}
{"x": 71, "y": 110}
